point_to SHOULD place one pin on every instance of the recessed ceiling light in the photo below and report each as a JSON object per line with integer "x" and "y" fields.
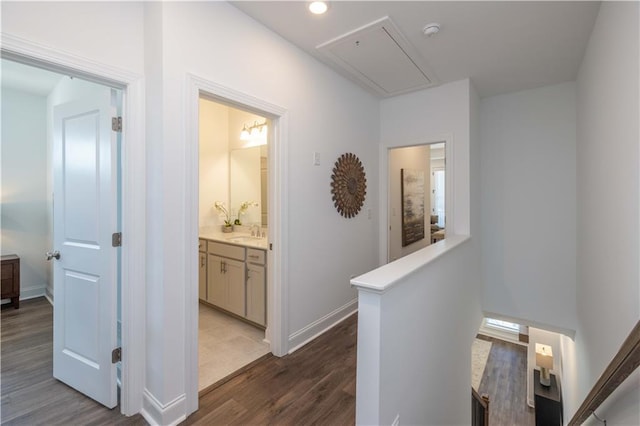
{"x": 318, "y": 7}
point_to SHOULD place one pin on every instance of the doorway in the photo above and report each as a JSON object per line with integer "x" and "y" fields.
{"x": 133, "y": 251}
{"x": 277, "y": 230}
{"x": 58, "y": 141}
{"x": 233, "y": 240}
{"x": 417, "y": 198}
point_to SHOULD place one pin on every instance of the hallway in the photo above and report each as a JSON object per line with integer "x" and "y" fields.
{"x": 315, "y": 384}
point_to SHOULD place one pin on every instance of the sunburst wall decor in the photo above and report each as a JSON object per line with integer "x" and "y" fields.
{"x": 348, "y": 185}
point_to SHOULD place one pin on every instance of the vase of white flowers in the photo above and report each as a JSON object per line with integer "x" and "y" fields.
{"x": 224, "y": 214}
{"x": 243, "y": 209}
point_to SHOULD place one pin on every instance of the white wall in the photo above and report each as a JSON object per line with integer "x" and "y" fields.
{"x": 416, "y": 158}
{"x": 413, "y": 337}
{"x": 214, "y": 161}
{"x": 608, "y": 276}
{"x": 529, "y": 205}
{"x": 25, "y": 228}
{"x": 429, "y": 116}
{"x": 333, "y": 248}
{"x": 94, "y": 30}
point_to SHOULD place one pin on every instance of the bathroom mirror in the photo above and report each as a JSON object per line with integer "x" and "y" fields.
{"x": 248, "y": 182}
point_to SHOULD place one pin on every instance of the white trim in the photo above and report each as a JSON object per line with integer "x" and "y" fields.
{"x": 381, "y": 279}
{"x": 277, "y": 278}
{"x": 449, "y": 185}
{"x": 49, "y": 299}
{"x": 31, "y": 292}
{"x": 133, "y": 195}
{"x": 156, "y": 413}
{"x": 319, "y": 326}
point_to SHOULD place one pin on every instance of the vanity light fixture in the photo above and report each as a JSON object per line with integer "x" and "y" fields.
{"x": 318, "y": 7}
{"x": 258, "y": 130}
{"x": 244, "y": 134}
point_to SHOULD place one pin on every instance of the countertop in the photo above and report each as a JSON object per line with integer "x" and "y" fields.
{"x": 236, "y": 238}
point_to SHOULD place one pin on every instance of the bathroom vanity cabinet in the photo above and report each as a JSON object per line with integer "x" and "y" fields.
{"x": 202, "y": 269}
{"x": 256, "y": 286}
{"x": 234, "y": 279}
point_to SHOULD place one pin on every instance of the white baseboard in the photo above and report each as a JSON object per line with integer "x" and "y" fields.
{"x": 169, "y": 414}
{"x": 318, "y": 327}
{"x": 50, "y": 299}
{"x": 31, "y": 292}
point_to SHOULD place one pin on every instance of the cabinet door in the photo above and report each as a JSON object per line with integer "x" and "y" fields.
{"x": 256, "y": 294}
{"x": 216, "y": 281}
{"x": 202, "y": 277}
{"x": 235, "y": 275}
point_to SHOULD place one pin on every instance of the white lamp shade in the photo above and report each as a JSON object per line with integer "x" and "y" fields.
{"x": 544, "y": 356}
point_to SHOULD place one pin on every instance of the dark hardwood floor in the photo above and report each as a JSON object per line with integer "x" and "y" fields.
{"x": 505, "y": 381}
{"x": 30, "y": 394}
{"x": 314, "y": 385}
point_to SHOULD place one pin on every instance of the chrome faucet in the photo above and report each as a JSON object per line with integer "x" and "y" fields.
{"x": 255, "y": 231}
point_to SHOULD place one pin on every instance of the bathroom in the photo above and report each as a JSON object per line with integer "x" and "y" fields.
{"x": 233, "y": 240}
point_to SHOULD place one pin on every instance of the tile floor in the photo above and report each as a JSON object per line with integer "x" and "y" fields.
{"x": 225, "y": 345}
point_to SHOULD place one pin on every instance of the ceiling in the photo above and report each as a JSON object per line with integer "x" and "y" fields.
{"x": 502, "y": 46}
{"x": 28, "y": 79}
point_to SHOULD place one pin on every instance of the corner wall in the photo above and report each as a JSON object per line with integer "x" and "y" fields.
{"x": 25, "y": 203}
{"x": 325, "y": 113}
{"x": 608, "y": 275}
{"x": 415, "y": 329}
{"x": 529, "y": 206}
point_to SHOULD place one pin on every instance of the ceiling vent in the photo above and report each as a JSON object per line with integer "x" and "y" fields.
{"x": 380, "y": 58}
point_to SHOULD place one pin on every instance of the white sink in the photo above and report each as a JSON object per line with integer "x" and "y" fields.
{"x": 243, "y": 239}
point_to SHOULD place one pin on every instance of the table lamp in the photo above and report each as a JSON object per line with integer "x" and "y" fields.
{"x": 544, "y": 360}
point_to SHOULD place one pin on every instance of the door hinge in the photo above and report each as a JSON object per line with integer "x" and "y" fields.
{"x": 116, "y": 124}
{"x": 116, "y": 239}
{"x": 116, "y": 355}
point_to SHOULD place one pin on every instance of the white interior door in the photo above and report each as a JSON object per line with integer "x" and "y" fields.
{"x": 85, "y": 273}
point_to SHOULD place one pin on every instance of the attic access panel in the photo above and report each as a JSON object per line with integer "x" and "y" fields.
{"x": 379, "y": 57}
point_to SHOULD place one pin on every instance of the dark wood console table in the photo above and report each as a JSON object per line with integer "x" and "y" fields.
{"x": 11, "y": 279}
{"x": 548, "y": 401}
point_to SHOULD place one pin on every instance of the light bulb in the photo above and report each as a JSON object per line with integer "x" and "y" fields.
{"x": 318, "y": 7}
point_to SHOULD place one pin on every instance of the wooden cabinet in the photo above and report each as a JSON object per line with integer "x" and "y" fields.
{"x": 548, "y": 401}
{"x": 256, "y": 294}
{"x": 202, "y": 269}
{"x": 202, "y": 276}
{"x": 226, "y": 277}
{"x": 225, "y": 284}
{"x": 235, "y": 280}
{"x": 11, "y": 279}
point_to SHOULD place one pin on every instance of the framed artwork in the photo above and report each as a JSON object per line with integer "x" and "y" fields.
{"x": 412, "y": 195}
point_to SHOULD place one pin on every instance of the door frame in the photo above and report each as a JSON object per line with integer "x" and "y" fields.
{"x": 277, "y": 278}
{"x": 383, "y": 253}
{"x": 133, "y": 196}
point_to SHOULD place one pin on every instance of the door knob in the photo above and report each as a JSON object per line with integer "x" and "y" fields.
{"x": 53, "y": 254}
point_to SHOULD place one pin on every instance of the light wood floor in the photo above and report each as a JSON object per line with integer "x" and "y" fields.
{"x": 314, "y": 385}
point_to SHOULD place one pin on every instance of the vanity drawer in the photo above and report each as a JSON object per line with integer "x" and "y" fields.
{"x": 202, "y": 245}
{"x": 226, "y": 250}
{"x": 256, "y": 256}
